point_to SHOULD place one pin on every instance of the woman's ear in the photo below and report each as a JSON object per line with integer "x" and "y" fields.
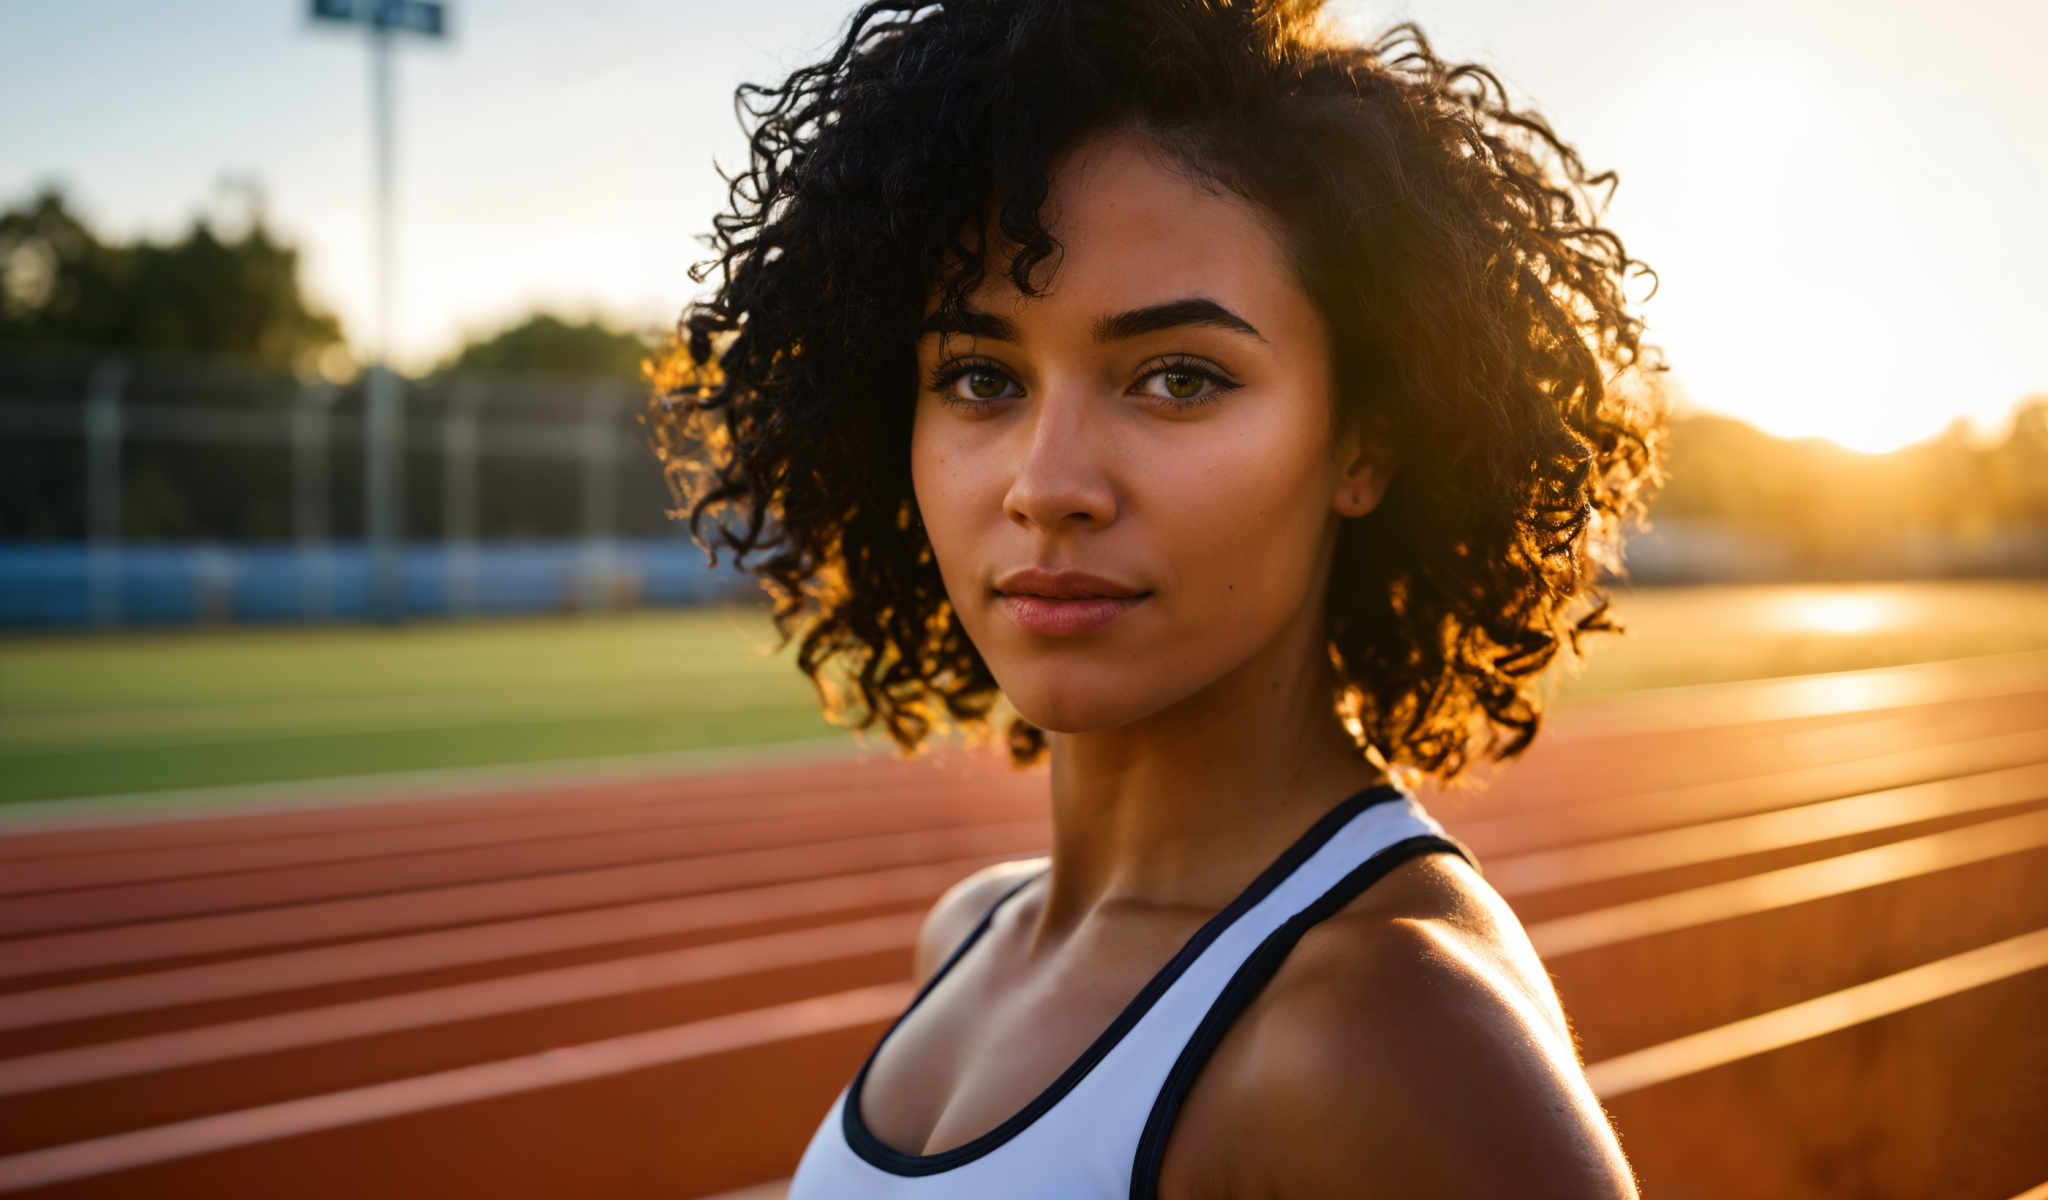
{"x": 1365, "y": 466}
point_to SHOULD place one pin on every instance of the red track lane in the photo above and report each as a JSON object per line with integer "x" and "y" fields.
{"x": 721, "y": 915}
{"x": 1542, "y": 884}
{"x": 687, "y": 854}
{"x": 928, "y": 799}
{"x": 1564, "y": 765}
{"x": 1603, "y": 814}
{"x": 1942, "y": 1100}
{"x": 1688, "y": 968}
{"x": 660, "y": 983}
{"x": 616, "y": 1118}
{"x": 334, "y": 920}
{"x": 494, "y": 798}
{"x": 1586, "y": 820}
{"x": 1711, "y": 974}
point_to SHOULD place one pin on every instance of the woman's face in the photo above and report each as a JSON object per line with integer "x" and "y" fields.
{"x": 1184, "y": 452}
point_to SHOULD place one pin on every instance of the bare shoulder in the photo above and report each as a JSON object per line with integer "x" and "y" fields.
{"x": 956, "y": 912}
{"x": 1411, "y": 1045}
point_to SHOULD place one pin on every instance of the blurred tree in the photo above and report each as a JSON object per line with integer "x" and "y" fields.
{"x": 546, "y": 343}
{"x": 60, "y": 283}
{"x": 1841, "y": 511}
{"x": 2018, "y": 469}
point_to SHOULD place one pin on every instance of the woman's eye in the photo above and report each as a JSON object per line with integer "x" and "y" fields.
{"x": 1181, "y": 385}
{"x": 1184, "y": 384}
{"x": 968, "y": 383}
{"x": 983, "y": 383}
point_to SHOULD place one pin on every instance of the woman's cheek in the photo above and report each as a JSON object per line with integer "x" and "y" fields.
{"x": 1249, "y": 520}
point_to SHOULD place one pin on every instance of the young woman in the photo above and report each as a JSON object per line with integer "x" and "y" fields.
{"x": 1251, "y": 411}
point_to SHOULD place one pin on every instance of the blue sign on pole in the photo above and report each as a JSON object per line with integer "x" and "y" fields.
{"x": 412, "y": 16}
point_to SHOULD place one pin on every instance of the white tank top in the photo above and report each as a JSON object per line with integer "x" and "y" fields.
{"x": 1100, "y": 1129}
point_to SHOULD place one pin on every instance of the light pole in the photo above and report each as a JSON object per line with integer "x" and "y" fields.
{"x": 384, "y": 417}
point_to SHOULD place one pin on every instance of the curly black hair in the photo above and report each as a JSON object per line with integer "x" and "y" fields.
{"x": 1478, "y": 317}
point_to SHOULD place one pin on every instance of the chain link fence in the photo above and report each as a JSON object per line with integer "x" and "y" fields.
{"x": 145, "y": 489}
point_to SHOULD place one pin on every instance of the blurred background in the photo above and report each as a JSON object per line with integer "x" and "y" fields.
{"x": 214, "y": 228}
{"x": 321, "y": 346}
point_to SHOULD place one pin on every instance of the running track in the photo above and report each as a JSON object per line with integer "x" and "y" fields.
{"x": 1800, "y": 926}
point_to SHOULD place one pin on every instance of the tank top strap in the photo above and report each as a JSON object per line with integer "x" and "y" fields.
{"x": 1099, "y": 1130}
{"x": 1153, "y": 1067}
{"x": 1252, "y": 975}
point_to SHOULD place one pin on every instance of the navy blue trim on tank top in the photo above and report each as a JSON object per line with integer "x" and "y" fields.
{"x": 1252, "y": 975}
{"x": 880, "y": 1154}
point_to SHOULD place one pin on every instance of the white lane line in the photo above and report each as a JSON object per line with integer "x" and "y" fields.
{"x": 550, "y": 1068}
{"x": 501, "y": 899}
{"x": 467, "y": 945}
{"x": 396, "y": 787}
{"x": 1789, "y": 697}
{"x": 522, "y": 992}
{"x": 1513, "y": 876}
{"x": 1708, "y": 841}
{"x": 1790, "y": 885}
{"x": 1609, "y": 1078}
{"x": 430, "y": 1007}
{"x": 1627, "y": 812}
{"x": 1822, "y": 1015}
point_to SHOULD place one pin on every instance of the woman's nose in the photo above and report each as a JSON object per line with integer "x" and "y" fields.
{"x": 1062, "y": 477}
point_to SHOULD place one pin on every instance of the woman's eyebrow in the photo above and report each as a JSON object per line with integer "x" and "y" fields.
{"x": 1195, "y": 310}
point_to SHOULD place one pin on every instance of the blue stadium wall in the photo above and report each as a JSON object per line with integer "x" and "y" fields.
{"x": 45, "y": 585}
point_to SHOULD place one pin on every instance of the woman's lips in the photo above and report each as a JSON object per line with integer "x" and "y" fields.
{"x": 1065, "y": 617}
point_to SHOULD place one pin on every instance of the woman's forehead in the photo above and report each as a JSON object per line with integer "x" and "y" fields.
{"x": 1137, "y": 230}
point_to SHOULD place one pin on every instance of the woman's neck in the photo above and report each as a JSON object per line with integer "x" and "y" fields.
{"x": 1183, "y": 808}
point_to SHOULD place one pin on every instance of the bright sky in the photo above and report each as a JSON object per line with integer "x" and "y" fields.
{"x": 1843, "y": 201}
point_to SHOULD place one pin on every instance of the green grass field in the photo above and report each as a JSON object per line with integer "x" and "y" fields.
{"x": 84, "y": 714}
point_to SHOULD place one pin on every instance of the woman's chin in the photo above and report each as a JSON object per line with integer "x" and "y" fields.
{"x": 1069, "y": 713}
